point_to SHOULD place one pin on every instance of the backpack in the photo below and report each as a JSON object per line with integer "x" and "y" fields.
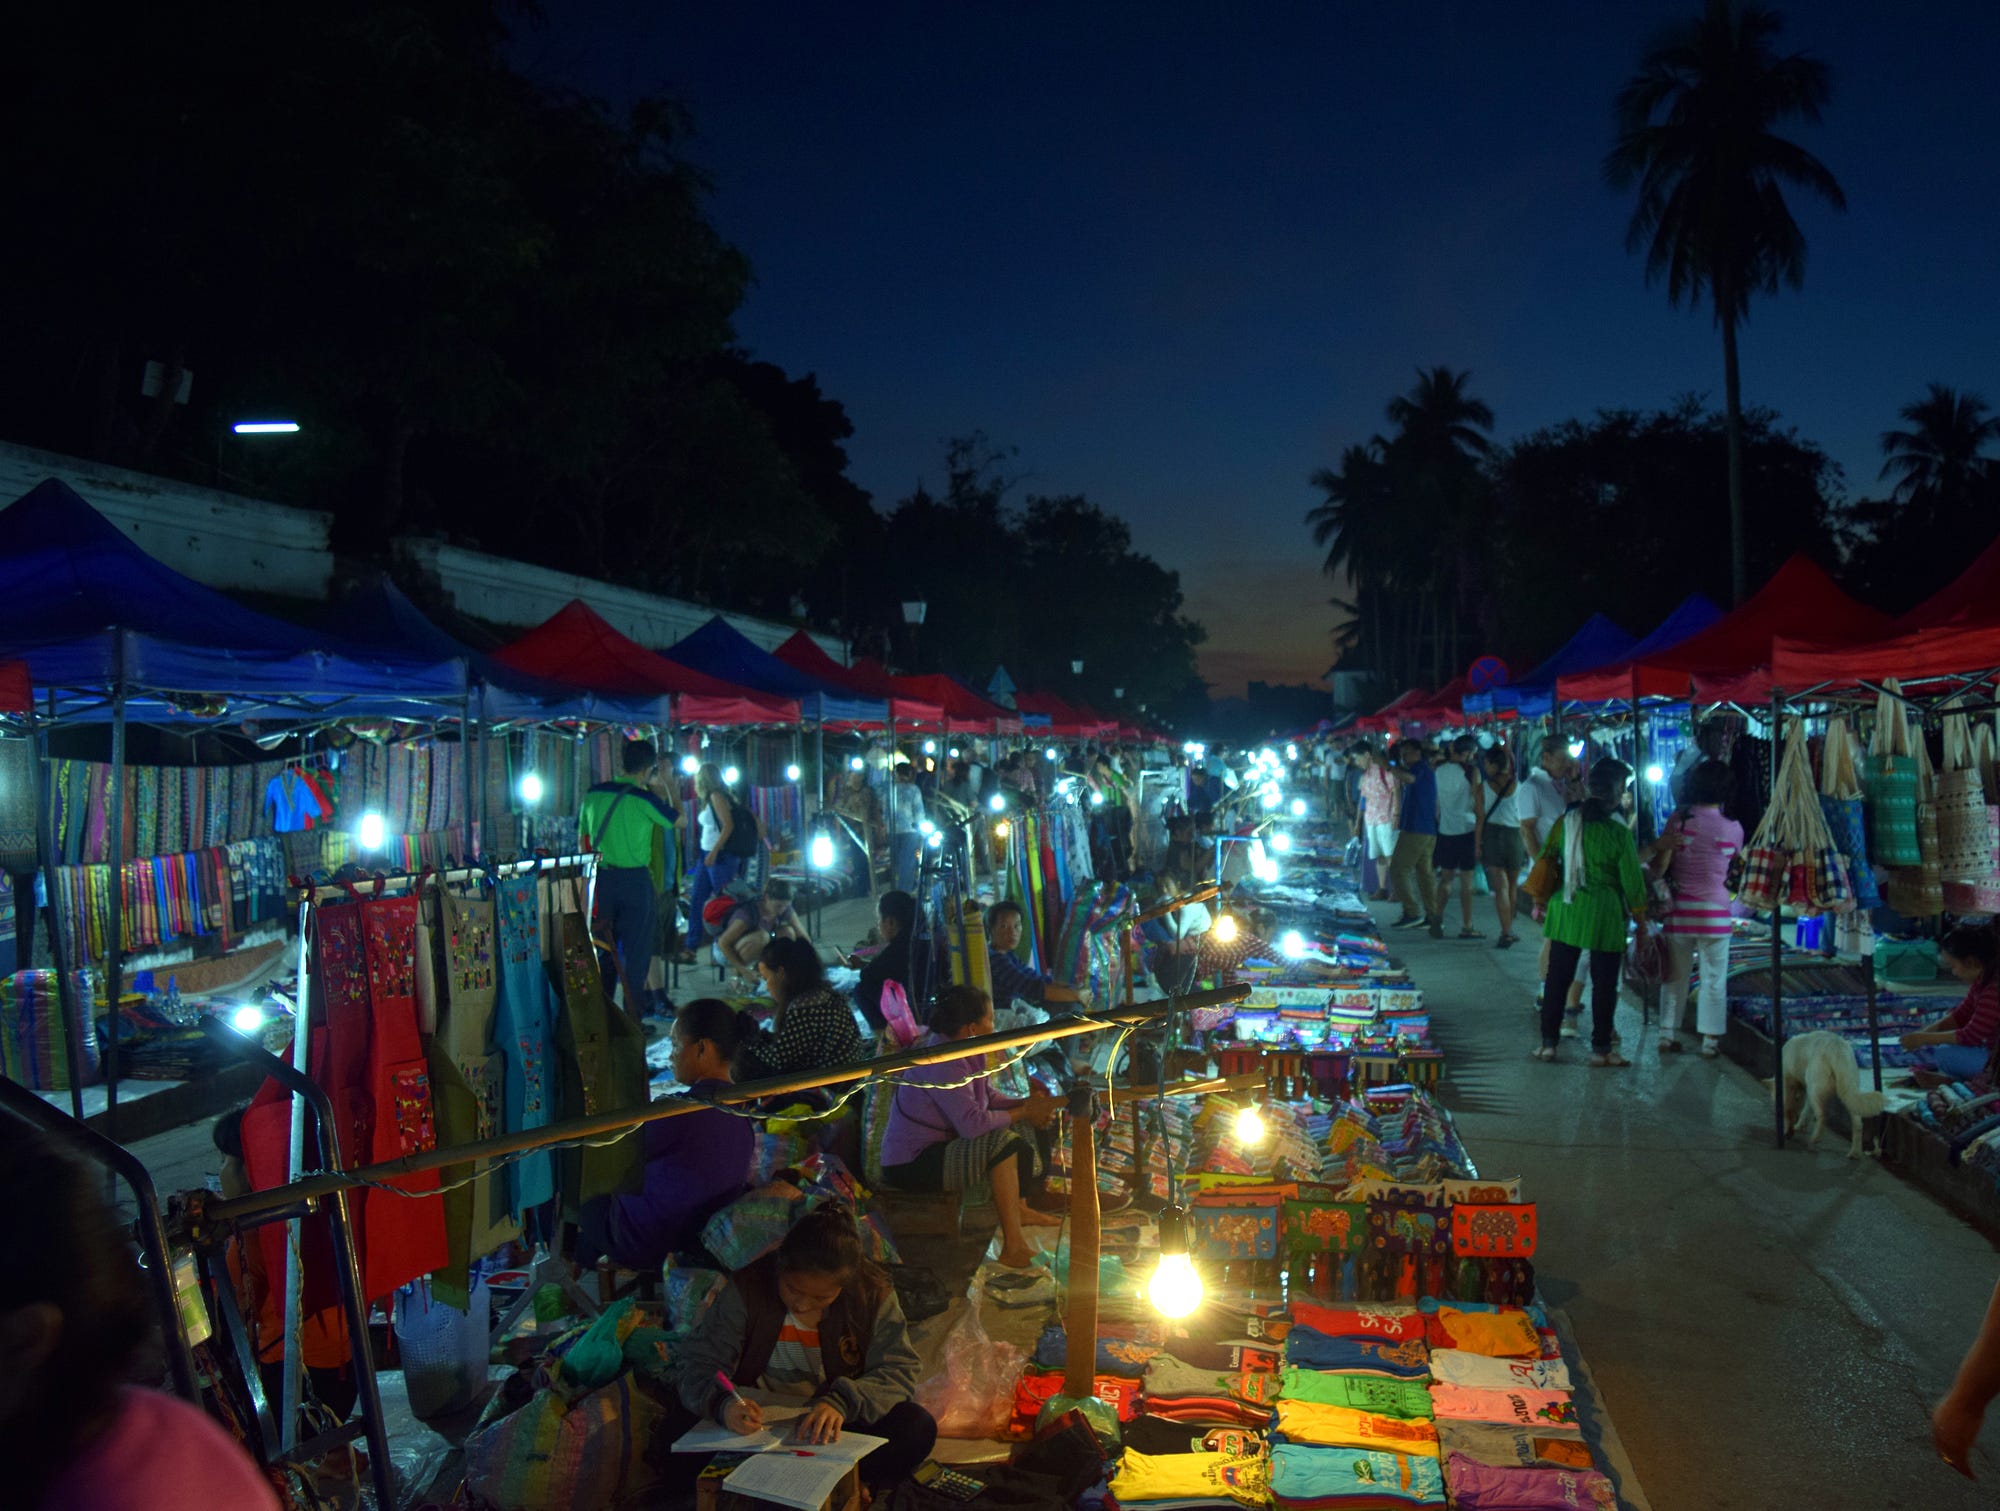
{"x": 744, "y": 830}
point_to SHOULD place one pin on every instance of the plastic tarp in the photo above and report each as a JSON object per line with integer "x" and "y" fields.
{"x": 723, "y": 651}
{"x": 1731, "y": 659}
{"x": 575, "y": 645}
{"x": 866, "y": 679}
{"x": 1598, "y": 643}
{"x": 73, "y": 586}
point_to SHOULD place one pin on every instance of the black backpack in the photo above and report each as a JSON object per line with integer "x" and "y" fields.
{"x": 744, "y": 830}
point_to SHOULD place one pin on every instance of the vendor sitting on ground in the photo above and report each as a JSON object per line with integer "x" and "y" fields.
{"x": 1011, "y": 979}
{"x": 1960, "y": 1045}
{"x": 818, "y": 1324}
{"x": 813, "y": 1025}
{"x": 696, "y": 1164}
{"x": 896, "y": 919}
{"x": 752, "y": 925}
{"x": 950, "y": 1132}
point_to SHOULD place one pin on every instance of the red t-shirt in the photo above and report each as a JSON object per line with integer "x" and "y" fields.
{"x": 160, "y": 1454}
{"x": 1977, "y": 1018}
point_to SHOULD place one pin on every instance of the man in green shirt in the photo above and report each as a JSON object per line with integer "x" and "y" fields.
{"x": 625, "y": 822}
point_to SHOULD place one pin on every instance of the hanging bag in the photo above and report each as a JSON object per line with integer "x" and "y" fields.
{"x": 1918, "y": 891}
{"x": 1965, "y": 824}
{"x": 1846, "y": 817}
{"x": 1892, "y": 784}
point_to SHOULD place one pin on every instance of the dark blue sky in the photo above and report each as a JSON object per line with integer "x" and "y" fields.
{"x": 1181, "y": 254}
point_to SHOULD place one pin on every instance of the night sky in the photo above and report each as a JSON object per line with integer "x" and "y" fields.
{"x": 1181, "y": 254}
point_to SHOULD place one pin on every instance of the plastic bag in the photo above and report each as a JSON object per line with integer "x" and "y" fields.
{"x": 972, "y": 1394}
{"x": 896, "y": 1012}
{"x": 689, "y": 1292}
{"x": 444, "y": 1350}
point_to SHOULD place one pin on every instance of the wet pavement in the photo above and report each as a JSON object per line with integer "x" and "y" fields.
{"x": 1766, "y": 1329}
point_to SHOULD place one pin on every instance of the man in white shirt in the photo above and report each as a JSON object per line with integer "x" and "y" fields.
{"x": 1458, "y": 820}
{"x": 1543, "y": 801}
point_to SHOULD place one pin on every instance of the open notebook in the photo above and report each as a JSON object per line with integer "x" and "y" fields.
{"x": 792, "y": 1474}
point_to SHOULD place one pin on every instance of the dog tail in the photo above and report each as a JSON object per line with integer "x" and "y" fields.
{"x": 1868, "y": 1104}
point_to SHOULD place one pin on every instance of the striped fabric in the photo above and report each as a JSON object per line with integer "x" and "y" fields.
{"x": 795, "y": 1368}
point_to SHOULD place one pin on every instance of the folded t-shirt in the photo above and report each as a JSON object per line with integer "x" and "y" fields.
{"x": 1479, "y": 1372}
{"x": 1227, "y": 1356}
{"x": 1303, "y": 1476}
{"x": 1383, "y": 1397}
{"x": 1479, "y": 1487}
{"x": 1379, "y": 1356}
{"x": 1168, "y": 1379}
{"x": 1152, "y": 1434}
{"x": 1344, "y": 1427}
{"x": 1509, "y": 1447}
{"x": 1529, "y": 1408}
{"x": 1400, "y": 1323}
{"x": 1499, "y": 1335}
{"x": 1147, "y": 1479}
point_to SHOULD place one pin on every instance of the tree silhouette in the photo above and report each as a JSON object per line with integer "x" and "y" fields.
{"x": 1695, "y": 136}
{"x": 1941, "y": 456}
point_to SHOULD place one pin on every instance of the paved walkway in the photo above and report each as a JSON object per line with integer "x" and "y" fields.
{"x": 1767, "y": 1329}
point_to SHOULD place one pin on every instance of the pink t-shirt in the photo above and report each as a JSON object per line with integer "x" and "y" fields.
{"x": 160, "y": 1454}
{"x": 1699, "y": 870}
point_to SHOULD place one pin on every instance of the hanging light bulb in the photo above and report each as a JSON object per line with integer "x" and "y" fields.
{"x": 1097, "y": 800}
{"x": 926, "y": 827}
{"x": 954, "y": 752}
{"x": 930, "y": 747}
{"x": 1050, "y": 753}
{"x": 1282, "y": 843}
{"x": 936, "y": 841}
{"x": 689, "y": 765}
{"x": 531, "y": 789}
{"x": 997, "y": 803}
{"x": 855, "y": 763}
{"x": 1656, "y": 773}
{"x": 792, "y": 772}
{"x": 1293, "y": 945}
{"x": 1250, "y": 1128}
{"x": 247, "y": 1019}
{"x": 1002, "y": 829}
{"x": 822, "y": 851}
{"x": 730, "y": 776}
{"x": 373, "y": 832}
{"x": 1576, "y": 750}
{"x": 1291, "y": 752}
{"x": 1298, "y": 807}
{"x": 1175, "y": 1290}
{"x": 1225, "y": 929}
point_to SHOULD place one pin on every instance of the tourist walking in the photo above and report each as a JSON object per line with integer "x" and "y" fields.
{"x": 1601, "y": 888}
{"x": 1381, "y": 807}
{"x": 1499, "y": 837}
{"x": 1458, "y": 798}
{"x": 1701, "y": 840}
{"x": 1544, "y": 797}
{"x": 1411, "y": 876}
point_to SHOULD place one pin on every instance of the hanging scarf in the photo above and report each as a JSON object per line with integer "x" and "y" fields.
{"x": 1573, "y": 827}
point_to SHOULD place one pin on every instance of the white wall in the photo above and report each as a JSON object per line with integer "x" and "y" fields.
{"x": 216, "y": 538}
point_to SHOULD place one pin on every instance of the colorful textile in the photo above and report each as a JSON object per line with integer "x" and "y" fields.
{"x": 521, "y": 1029}
{"x": 1307, "y": 1477}
{"x": 1144, "y": 1479}
{"x": 1506, "y": 1447}
{"x": 1371, "y": 1393}
{"x": 1399, "y": 1324}
{"x": 1500, "y": 1335}
{"x": 1379, "y": 1356}
{"x": 1479, "y": 1487}
{"x": 1479, "y": 1372}
{"x": 1610, "y": 889}
{"x": 1529, "y": 1408}
{"x": 1345, "y": 1427}
{"x": 1167, "y": 1378}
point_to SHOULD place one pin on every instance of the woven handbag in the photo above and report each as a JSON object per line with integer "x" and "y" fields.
{"x": 1966, "y": 836}
{"x": 1892, "y": 785}
{"x": 1846, "y": 816}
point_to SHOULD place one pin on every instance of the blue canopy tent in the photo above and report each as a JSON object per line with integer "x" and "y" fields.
{"x": 93, "y": 615}
{"x": 1690, "y": 617}
{"x": 1598, "y": 643}
{"x": 721, "y": 650}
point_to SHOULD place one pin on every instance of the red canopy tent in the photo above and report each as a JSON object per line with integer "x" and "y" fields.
{"x": 16, "y": 695}
{"x": 1731, "y": 659}
{"x": 866, "y": 677}
{"x": 1065, "y": 720}
{"x": 963, "y": 708}
{"x": 1445, "y": 706}
{"x": 1391, "y": 714}
{"x": 1954, "y": 632}
{"x": 576, "y": 646}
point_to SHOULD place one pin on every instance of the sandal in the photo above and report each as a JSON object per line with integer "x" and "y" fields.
{"x": 1610, "y": 1060}
{"x": 1543, "y": 1052}
{"x": 1504, "y": 942}
{"x": 1669, "y": 1045}
{"x": 1470, "y": 934}
{"x": 1710, "y": 1046}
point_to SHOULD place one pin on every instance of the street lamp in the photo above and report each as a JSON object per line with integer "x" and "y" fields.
{"x": 914, "y": 610}
{"x": 1076, "y": 668}
{"x": 266, "y": 427}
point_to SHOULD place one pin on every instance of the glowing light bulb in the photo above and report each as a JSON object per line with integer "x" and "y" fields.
{"x": 247, "y": 1019}
{"x": 1175, "y": 1290}
{"x": 1298, "y": 807}
{"x": 689, "y": 765}
{"x": 1576, "y": 750}
{"x": 792, "y": 772}
{"x": 1250, "y": 1126}
{"x": 373, "y": 831}
{"x": 1097, "y": 800}
{"x": 997, "y": 803}
{"x": 730, "y": 775}
{"x": 1225, "y": 929}
{"x": 531, "y": 789}
{"x": 930, "y": 747}
{"x": 936, "y": 841}
{"x": 1002, "y": 829}
{"x": 822, "y": 851}
{"x": 954, "y": 752}
{"x": 1050, "y": 753}
{"x": 1270, "y": 797}
{"x": 1282, "y": 843}
{"x": 1293, "y": 944}
{"x": 925, "y": 826}
{"x": 855, "y": 763}
{"x": 1656, "y": 774}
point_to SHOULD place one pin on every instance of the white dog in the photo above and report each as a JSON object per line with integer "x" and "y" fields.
{"x": 1818, "y": 1067}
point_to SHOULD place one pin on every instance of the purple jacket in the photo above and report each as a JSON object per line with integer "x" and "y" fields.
{"x": 696, "y": 1164}
{"x": 921, "y": 1114}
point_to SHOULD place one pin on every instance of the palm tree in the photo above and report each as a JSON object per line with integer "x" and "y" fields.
{"x": 1352, "y": 526}
{"x": 1440, "y": 419}
{"x": 1695, "y": 135}
{"x": 1441, "y": 436}
{"x": 1941, "y": 457}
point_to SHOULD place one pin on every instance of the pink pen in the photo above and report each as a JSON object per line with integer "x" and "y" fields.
{"x": 730, "y": 1389}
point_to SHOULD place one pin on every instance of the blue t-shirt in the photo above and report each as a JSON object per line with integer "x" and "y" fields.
{"x": 1420, "y": 802}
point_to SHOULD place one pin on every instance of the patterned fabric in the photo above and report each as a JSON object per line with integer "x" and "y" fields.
{"x": 521, "y": 1028}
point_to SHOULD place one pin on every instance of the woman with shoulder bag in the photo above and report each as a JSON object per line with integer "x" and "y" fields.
{"x": 1601, "y": 887}
{"x": 1698, "y": 929}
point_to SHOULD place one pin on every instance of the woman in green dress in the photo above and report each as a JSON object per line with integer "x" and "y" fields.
{"x": 1602, "y": 886}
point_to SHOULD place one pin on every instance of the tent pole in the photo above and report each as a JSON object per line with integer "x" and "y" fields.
{"x": 74, "y": 1024}
{"x": 114, "y": 945}
{"x": 464, "y": 754}
{"x": 1778, "y": 941}
{"x": 477, "y": 845}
